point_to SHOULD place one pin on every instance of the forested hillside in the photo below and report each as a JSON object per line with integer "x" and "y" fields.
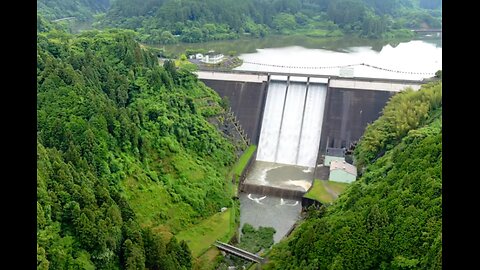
{"x": 171, "y": 21}
{"x": 391, "y": 217}
{"x": 82, "y": 10}
{"x": 125, "y": 155}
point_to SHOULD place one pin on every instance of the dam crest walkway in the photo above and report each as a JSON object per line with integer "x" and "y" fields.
{"x": 361, "y": 83}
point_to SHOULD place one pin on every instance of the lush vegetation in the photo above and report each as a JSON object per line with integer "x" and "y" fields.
{"x": 243, "y": 160}
{"x": 183, "y": 63}
{"x": 126, "y": 157}
{"x": 390, "y": 218}
{"x": 172, "y": 21}
{"x": 255, "y": 240}
{"x": 325, "y": 191}
{"x": 82, "y": 10}
{"x": 217, "y": 227}
{"x": 408, "y": 110}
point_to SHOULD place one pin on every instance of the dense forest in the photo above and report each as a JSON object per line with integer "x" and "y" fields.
{"x": 172, "y": 21}
{"x": 391, "y": 217}
{"x": 126, "y": 157}
{"x": 82, "y": 10}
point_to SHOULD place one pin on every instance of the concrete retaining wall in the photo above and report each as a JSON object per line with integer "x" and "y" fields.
{"x": 347, "y": 113}
{"x": 272, "y": 191}
{"x": 247, "y": 100}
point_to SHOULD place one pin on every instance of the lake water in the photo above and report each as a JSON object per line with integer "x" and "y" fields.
{"x": 309, "y": 55}
{"x": 416, "y": 59}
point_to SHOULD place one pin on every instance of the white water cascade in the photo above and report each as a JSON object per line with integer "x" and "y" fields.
{"x": 272, "y": 118}
{"x": 292, "y": 123}
{"x": 312, "y": 125}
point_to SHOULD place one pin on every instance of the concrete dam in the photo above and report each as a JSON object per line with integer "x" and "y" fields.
{"x": 293, "y": 118}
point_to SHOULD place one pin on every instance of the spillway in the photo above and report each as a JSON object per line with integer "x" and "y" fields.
{"x": 272, "y": 118}
{"x": 312, "y": 125}
{"x": 292, "y": 123}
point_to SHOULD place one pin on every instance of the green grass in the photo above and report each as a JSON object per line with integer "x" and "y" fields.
{"x": 153, "y": 203}
{"x": 206, "y": 256}
{"x": 207, "y": 260}
{"x": 319, "y": 190}
{"x": 317, "y": 33}
{"x": 185, "y": 64}
{"x": 243, "y": 160}
{"x": 200, "y": 237}
{"x": 336, "y": 186}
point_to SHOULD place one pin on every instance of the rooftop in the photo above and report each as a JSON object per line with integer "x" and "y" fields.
{"x": 212, "y": 53}
{"x": 342, "y": 165}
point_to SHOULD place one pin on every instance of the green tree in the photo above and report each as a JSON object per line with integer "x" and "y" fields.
{"x": 134, "y": 257}
{"x": 284, "y": 21}
{"x": 167, "y": 38}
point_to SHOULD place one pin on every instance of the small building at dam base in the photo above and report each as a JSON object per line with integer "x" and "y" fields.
{"x": 341, "y": 171}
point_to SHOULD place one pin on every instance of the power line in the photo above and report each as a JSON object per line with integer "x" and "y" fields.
{"x": 342, "y": 66}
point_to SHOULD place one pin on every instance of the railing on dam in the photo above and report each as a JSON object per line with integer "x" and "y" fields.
{"x": 259, "y": 76}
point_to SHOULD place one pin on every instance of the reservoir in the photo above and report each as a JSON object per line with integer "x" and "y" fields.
{"x": 414, "y": 60}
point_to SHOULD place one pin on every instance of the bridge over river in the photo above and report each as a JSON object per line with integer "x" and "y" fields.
{"x": 239, "y": 252}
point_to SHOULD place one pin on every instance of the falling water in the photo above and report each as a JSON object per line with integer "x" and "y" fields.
{"x": 293, "y": 139}
{"x": 291, "y": 124}
{"x": 272, "y": 118}
{"x": 312, "y": 125}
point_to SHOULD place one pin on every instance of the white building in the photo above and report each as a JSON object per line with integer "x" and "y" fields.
{"x": 341, "y": 171}
{"x": 212, "y": 58}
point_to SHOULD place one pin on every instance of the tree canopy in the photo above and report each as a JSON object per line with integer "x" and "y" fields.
{"x": 198, "y": 21}
{"x": 82, "y": 10}
{"x": 126, "y": 157}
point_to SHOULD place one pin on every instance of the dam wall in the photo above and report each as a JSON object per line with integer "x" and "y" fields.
{"x": 347, "y": 114}
{"x": 247, "y": 100}
{"x": 293, "y": 119}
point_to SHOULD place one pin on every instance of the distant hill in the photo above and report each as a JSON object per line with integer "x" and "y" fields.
{"x": 170, "y": 21}
{"x": 82, "y": 10}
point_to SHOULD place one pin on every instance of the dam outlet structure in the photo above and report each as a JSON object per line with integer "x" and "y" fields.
{"x": 293, "y": 119}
